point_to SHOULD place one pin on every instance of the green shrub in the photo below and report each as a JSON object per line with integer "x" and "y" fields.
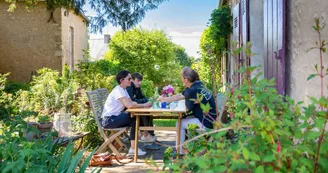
{"x": 13, "y": 87}
{"x": 147, "y": 88}
{"x": 5, "y": 99}
{"x": 19, "y": 155}
{"x": 43, "y": 119}
{"x": 49, "y": 92}
{"x": 272, "y": 132}
{"x": 268, "y": 132}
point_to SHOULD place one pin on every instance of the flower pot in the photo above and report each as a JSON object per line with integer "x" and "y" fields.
{"x": 31, "y": 135}
{"x": 45, "y": 127}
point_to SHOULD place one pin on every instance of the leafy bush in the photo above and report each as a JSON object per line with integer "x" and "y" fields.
{"x": 270, "y": 132}
{"x": 103, "y": 66}
{"x": 5, "y": 99}
{"x": 43, "y": 119}
{"x": 13, "y": 87}
{"x": 273, "y": 135}
{"x": 19, "y": 155}
{"x": 148, "y": 88}
{"x": 49, "y": 92}
{"x": 150, "y": 53}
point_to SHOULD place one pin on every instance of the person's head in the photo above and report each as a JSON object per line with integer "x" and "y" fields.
{"x": 123, "y": 78}
{"x": 137, "y": 79}
{"x": 188, "y": 76}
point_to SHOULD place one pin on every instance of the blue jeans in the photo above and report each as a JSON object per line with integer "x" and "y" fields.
{"x": 122, "y": 120}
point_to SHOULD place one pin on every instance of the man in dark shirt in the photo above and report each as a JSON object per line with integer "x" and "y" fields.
{"x": 136, "y": 95}
{"x": 206, "y": 117}
{"x": 194, "y": 95}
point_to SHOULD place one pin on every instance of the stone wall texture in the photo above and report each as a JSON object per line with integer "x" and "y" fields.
{"x": 28, "y": 42}
{"x": 78, "y": 23}
{"x": 300, "y": 37}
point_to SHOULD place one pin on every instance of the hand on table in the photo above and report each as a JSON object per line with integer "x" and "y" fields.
{"x": 161, "y": 99}
{"x": 148, "y": 104}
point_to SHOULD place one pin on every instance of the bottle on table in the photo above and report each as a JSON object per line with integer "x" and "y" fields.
{"x": 155, "y": 97}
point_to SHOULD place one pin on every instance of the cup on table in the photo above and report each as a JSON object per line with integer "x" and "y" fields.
{"x": 163, "y": 104}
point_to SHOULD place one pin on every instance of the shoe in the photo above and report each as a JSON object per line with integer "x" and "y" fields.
{"x": 140, "y": 152}
{"x": 152, "y": 146}
{"x": 125, "y": 140}
{"x": 148, "y": 138}
{"x": 158, "y": 142}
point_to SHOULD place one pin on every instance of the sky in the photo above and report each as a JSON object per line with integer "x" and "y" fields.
{"x": 183, "y": 20}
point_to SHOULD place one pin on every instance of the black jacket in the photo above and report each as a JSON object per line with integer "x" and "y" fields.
{"x": 136, "y": 94}
{"x": 194, "y": 109}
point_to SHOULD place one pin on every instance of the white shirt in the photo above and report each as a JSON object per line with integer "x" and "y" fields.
{"x": 113, "y": 106}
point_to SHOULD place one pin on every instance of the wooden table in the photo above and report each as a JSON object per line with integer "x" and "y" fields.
{"x": 175, "y": 113}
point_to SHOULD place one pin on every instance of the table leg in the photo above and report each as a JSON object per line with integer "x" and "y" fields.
{"x": 178, "y": 135}
{"x": 136, "y": 139}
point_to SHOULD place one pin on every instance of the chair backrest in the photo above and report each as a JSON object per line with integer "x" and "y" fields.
{"x": 221, "y": 102}
{"x": 97, "y": 99}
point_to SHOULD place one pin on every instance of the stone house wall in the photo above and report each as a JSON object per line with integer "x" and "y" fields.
{"x": 300, "y": 37}
{"x": 29, "y": 42}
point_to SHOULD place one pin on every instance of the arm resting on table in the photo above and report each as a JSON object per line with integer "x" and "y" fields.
{"x": 129, "y": 104}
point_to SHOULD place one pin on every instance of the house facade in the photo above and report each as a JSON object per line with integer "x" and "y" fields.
{"x": 281, "y": 32}
{"x": 30, "y": 40}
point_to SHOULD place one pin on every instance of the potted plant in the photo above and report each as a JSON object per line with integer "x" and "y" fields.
{"x": 45, "y": 125}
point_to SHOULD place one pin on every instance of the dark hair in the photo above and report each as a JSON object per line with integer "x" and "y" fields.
{"x": 137, "y": 76}
{"x": 190, "y": 74}
{"x": 121, "y": 75}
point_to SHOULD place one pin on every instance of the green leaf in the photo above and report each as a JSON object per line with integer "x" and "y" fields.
{"x": 259, "y": 169}
{"x": 201, "y": 163}
{"x": 307, "y": 162}
{"x": 294, "y": 164}
{"x": 312, "y": 135}
{"x": 9, "y": 167}
{"x": 311, "y": 76}
{"x": 316, "y": 67}
{"x": 269, "y": 158}
{"x": 64, "y": 162}
{"x": 323, "y": 162}
{"x": 219, "y": 168}
{"x": 254, "y": 156}
{"x": 324, "y": 147}
{"x": 245, "y": 153}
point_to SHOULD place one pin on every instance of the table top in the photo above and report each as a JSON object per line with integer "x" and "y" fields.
{"x": 180, "y": 108}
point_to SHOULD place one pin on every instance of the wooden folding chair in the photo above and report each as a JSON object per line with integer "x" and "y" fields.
{"x": 221, "y": 102}
{"x": 97, "y": 99}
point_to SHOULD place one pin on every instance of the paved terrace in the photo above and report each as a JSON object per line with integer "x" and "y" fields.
{"x": 166, "y": 137}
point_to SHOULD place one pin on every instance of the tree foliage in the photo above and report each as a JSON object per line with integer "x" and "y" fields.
{"x": 182, "y": 56}
{"x": 213, "y": 42}
{"x": 123, "y": 13}
{"x": 149, "y": 52}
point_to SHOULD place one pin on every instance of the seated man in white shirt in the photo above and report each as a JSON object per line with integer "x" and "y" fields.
{"x": 114, "y": 115}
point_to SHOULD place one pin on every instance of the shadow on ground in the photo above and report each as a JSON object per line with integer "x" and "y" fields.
{"x": 167, "y": 138}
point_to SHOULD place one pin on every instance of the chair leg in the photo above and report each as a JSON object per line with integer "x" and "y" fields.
{"x": 122, "y": 146}
{"x": 118, "y": 140}
{"x": 108, "y": 143}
